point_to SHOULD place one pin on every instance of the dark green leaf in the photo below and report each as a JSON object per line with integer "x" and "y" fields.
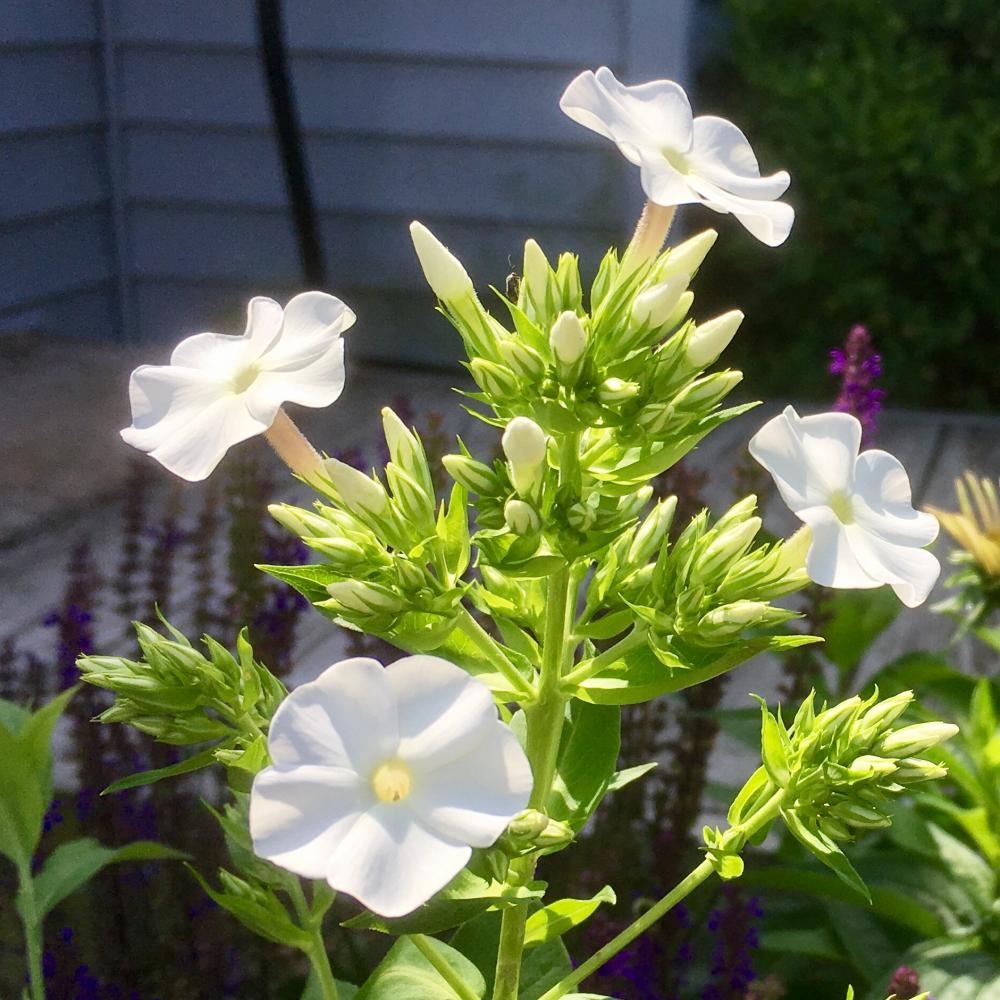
{"x": 186, "y": 766}
{"x": 563, "y": 915}
{"x": 404, "y": 974}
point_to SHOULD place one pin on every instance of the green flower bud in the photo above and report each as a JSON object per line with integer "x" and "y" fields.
{"x": 525, "y": 445}
{"x": 738, "y": 513}
{"x": 495, "y": 380}
{"x": 406, "y": 450}
{"x": 792, "y": 553}
{"x": 680, "y": 312}
{"x": 581, "y": 516}
{"x": 885, "y": 713}
{"x": 568, "y": 339}
{"x": 912, "y": 740}
{"x": 655, "y": 418}
{"x": 913, "y": 769}
{"x": 360, "y": 493}
{"x": 523, "y": 360}
{"x": 859, "y": 815}
{"x": 521, "y": 517}
{"x": 830, "y": 718}
{"x": 366, "y": 598}
{"x": 616, "y": 390}
{"x": 411, "y": 576}
{"x": 710, "y": 339}
{"x": 444, "y": 272}
{"x": 415, "y": 503}
{"x": 731, "y": 543}
{"x": 870, "y": 766}
{"x": 473, "y": 475}
{"x": 686, "y": 257}
{"x": 733, "y": 618}
{"x": 704, "y": 393}
{"x": 654, "y": 306}
{"x": 651, "y": 532}
{"x": 299, "y": 522}
{"x": 568, "y": 280}
{"x": 632, "y": 505}
{"x": 528, "y": 824}
{"x": 537, "y": 273}
{"x": 342, "y": 552}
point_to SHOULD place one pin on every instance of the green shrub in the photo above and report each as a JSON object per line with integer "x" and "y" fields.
{"x": 887, "y": 116}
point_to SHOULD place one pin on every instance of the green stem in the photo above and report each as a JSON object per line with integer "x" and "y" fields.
{"x": 32, "y": 932}
{"x": 444, "y": 970}
{"x": 487, "y": 645}
{"x": 312, "y": 922}
{"x": 545, "y": 721}
{"x": 587, "y": 669}
{"x": 701, "y": 873}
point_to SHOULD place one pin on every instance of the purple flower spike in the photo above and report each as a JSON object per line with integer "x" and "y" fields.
{"x": 859, "y": 367}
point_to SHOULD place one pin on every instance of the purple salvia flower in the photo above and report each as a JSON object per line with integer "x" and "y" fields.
{"x": 859, "y": 367}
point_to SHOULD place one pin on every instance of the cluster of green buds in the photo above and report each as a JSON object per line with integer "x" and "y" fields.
{"x": 390, "y": 552}
{"x": 707, "y": 588}
{"x": 182, "y": 696}
{"x": 628, "y": 374}
{"x": 836, "y": 772}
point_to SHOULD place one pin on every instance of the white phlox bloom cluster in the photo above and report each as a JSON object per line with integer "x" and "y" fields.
{"x": 385, "y": 778}
{"x": 865, "y": 530}
{"x": 682, "y": 159}
{"x": 219, "y": 390}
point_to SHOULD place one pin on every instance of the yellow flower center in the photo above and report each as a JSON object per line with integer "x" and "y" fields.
{"x": 677, "y": 160}
{"x": 245, "y": 378}
{"x": 840, "y": 504}
{"x": 392, "y": 780}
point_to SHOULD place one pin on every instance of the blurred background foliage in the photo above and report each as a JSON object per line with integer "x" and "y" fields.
{"x": 885, "y": 114}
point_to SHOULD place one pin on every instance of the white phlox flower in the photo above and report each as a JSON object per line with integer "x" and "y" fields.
{"x": 219, "y": 390}
{"x": 681, "y": 159}
{"x": 859, "y": 509}
{"x": 385, "y": 778}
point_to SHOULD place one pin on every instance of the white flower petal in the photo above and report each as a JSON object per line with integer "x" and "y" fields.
{"x": 443, "y": 712}
{"x": 186, "y": 419}
{"x": 884, "y": 503}
{"x": 910, "y": 571}
{"x": 299, "y": 817}
{"x": 655, "y": 115}
{"x": 473, "y": 798}
{"x": 344, "y": 718}
{"x": 831, "y": 561}
{"x": 809, "y": 457}
{"x": 389, "y": 862}
{"x": 722, "y": 154}
{"x": 318, "y": 384}
{"x": 313, "y": 322}
{"x": 768, "y": 221}
{"x": 661, "y": 182}
{"x": 217, "y": 354}
{"x": 264, "y": 320}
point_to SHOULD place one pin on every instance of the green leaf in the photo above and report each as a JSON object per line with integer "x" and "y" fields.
{"x": 857, "y": 618}
{"x": 814, "y": 942}
{"x": 314, "y": 989}
{"x": 826, "y": 851}
{"x": 465, "y": 897}
{"x": 310, "y": 581}
{"x": 542, "y": 968}
{"x": 453, "y": 530}
{"x": 620, "y": 779}
{"x": 26, "y": 778}
{"x": 186, "y": 766}
{"x": 557, "y": 918}
{"x": 773, "y": 749}
{"x": 587, "y": 759}
{"x": 404, "y": 974}
{"x": 13, "y": 716}
{"x": 259, "y": 910}
{"x": 73, "y": 864}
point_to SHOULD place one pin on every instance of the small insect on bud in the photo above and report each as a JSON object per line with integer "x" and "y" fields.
{"x": 444, "y": 272}
{"x": 710, "y": 339}
{"x": 525, "y": 445}
{"x": 654, "y": 306}
{"x": 521, "y": 517}
{"x": 568, "y": 339}
{"x": 912, "y": 740}
{"x": 359, "y": 492}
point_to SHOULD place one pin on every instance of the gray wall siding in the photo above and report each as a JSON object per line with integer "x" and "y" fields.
{"x": 444, "y": 110}
{"x": 55, "y": 244}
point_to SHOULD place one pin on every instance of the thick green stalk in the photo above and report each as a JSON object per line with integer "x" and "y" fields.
{"x": 444, "y": 970}
{"x": 684, "y": 888}
{"x": 545, "y": 720}
{"x": 587, "y": 669}
{"x": 32, "y": 932}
